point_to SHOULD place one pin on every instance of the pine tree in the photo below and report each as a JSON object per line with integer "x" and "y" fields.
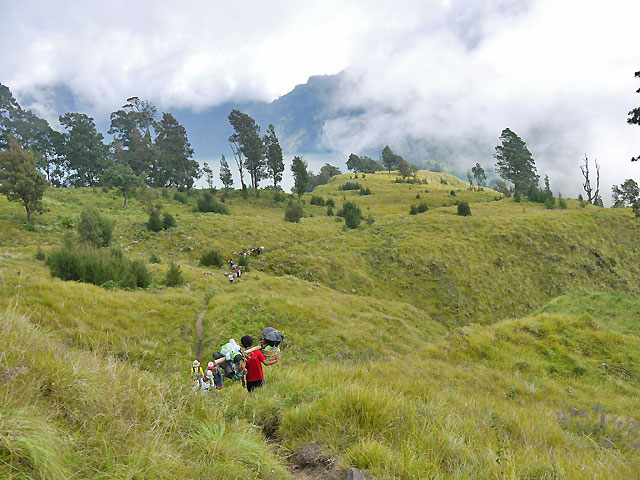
{"x": 225, "y": 173}
{"x": 300, "y": 176}
{"x": 275, "y": 163}
{"x": 514, "y": 162}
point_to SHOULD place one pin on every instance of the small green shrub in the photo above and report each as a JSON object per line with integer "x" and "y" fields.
{"x": 329, "y": 212}
{"x": 464, "y": 210}
{"x": 352, "y": 214}
{"x": 154, "y": 258}
{"x": 168, "y": 221}
{"x": 562, "y": 203}
{"x": 154, "y": 223}
{"x": 444, "y": 182}
{"x": 423, "y": 207}
{"x": 316, "y": 200}
{"x": 330, "y": 203}
{"x": 98, "y": 266}
{"x": 93, "y": 229}
{"x": 452, "y": 193}
{"x": 350, "y": 186}
{"x": 413, "y": 210}
{"x": 293, "y": 213}
{"x": 244, "y": 262}
{"x": 211, "y": 258}
{"x": 206, "y": 203}
{"x": 180, "y": 197}
{"x": 636, "y": 209}
{"x": 40, "y": 254}
{"x": 173, "y": 277}
{"x": 364, "y": 191}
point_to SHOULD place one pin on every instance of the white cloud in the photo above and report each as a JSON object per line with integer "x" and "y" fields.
{"x": 558, "y": 72}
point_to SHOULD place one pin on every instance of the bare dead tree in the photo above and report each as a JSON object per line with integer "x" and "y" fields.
{"x": 592, "y": 196}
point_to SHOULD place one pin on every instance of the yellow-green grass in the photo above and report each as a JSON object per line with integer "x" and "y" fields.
{"x": 549, "y": 396}
{"x": 71, "y": 414}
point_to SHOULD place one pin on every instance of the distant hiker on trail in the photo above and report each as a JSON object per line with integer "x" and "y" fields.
{"x": 255, "y": 377}
{"x": 230, "y": 277}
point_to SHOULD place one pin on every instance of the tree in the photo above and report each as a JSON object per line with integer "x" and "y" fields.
{"x": 300, "y": 175}
{"x": 208, "y": 175}
{"x": 326, "y": 172}
{"x": 470, "y": 180}
{"x": 514, "y": 162}
{"x": 86, "y": 154}
{"x": 627, "y": 194}
{"x": 122, "y": 177}
{"x": 275, "y": 163}
{"x": 174, "y": 165}
{"x": 634, "y": 117}
{"x": 479, "y": 175}
{"x": 132, "y": 129}
{"x": 354, "y": 163}
{"x": 404, "y": 168}
{"x": 390, "y": 159}
{"x": 20, "y": 180}
{"x": 247, "y": 147}
{"x": 592, "y": 197}
{"x": 225, "y": 173}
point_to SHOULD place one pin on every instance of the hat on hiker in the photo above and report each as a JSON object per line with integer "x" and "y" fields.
{"x": 209, "y": 373}
{"x": 210, "y": 364}
{"x": 196, "y": 364}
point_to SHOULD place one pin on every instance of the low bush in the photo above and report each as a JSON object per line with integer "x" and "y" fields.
{"x": 154, "y": 258}
{"x": 206, "y": 203}
{"x": 211, "y": 258}
{"x": 364, "y": 191}
{"x": 423, "y": 207}
{"x": 330, "y": 203}
{"x": 413, "y": 210}
{"x": 316, "y": 200}
{"x": 154, "y": 223}
{"x": 180, "y": 197}
{"x": 352, "y": 214}
{"x": 93, "y": 229}
{"x": 40, "y": 254}
{"x": 173, "y": 277}
{"x": 464, "y": 210}
{"x": 168, "y": 221}
{"x": 97, "y": 266}
{"x": 293, "y": 213}
{"x": 329, "y": 212}
{"x": 350, "y": 186}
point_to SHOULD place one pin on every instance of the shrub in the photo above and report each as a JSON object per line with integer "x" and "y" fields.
{"x": 168, "y": 221}
{"x": 330, "y": 203}
{"x": 562, "y": 203}
{"x": 211, "y": 258}
{"x": 364, "y": 191}
{"x": 293, "y": 212}
{"x": 206, "y": 203}
{"x": 444, "y": 182}
{"x": 154, "y": 258}
{"x": 165, "y": 193}
{"x": 463, "y": 209}
{"x": 423, "y": 207}
{"x": 369, "y": 220}
{"x": 635, "y": 207}
{"x": 417, "y": 196}
{"x": 173, "y": 277}
{"x": 180, "y": 197}
{"x": 452, "y": 193}
{"x": 315, "y": 200}
{"x": 350, "y": 186}
{"x": 98, "y": 267}
{"x": 516, "y": 196}
{"x": 549, "y": 203}
{"x": 40, "y": 254}
{"x": 352, "y": 214}
{"x": 329, "y": 212}
{"x": 413, "y": 210}
{"x": 244, "y": 262}
{"x": 154, "y": 223}
{"x": 93, "y": 229}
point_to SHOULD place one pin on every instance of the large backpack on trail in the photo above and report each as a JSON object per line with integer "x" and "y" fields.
{"x": 232, "y": 367}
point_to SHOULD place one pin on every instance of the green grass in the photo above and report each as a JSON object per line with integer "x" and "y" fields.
{"x": 419, "y": 346}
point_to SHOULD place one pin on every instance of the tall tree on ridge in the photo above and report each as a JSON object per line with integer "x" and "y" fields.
{"x": 275, "y": 162}
{"x": 300, "y": 175}
{"x": 225, "y": 173}
{"x": 514, "y": 161}
{"x": 390, "y": 159}
{"x": 247, "y": 147}
{"x": 174, "y": 165}
{"x": 592, "y": 197}
{"x": 86, "y": 154}
{"x": 479, "y": 175}
{"x": 634, "y": 117}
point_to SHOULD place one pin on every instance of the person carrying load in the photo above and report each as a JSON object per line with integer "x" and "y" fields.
{"x": 233, "y": 364}
{"x": 255, "y": 360}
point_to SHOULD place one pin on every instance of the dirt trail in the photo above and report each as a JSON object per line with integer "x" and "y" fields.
{"x": 200, "y": 332}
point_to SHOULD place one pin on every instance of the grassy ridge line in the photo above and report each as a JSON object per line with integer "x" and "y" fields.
{"x": 473, "y": 269}
{"x": 523, "y": 398}
{"x": 66, "y": 413}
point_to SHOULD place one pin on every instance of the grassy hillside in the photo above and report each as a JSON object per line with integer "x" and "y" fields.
{"x": 416, "y": 346}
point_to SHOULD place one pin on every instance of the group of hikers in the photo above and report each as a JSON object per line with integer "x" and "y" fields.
{"x": 236, "y": 270}
{"x": 237, "y": 363}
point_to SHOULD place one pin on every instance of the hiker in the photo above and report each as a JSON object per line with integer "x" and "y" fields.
{"x": 206, "y": 381}
{"x": 196, "y": 371}
{"x": 255, "y": 377}
{"x": 230, "y": 277}
{"x": 217, "y": 375}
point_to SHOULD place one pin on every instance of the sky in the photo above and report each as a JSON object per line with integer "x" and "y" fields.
{"x": 560, "y": 73}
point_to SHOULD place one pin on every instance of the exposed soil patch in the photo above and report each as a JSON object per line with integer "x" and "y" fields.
{"x": 310, "y": 463}
{"x": 200, "y": 332}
